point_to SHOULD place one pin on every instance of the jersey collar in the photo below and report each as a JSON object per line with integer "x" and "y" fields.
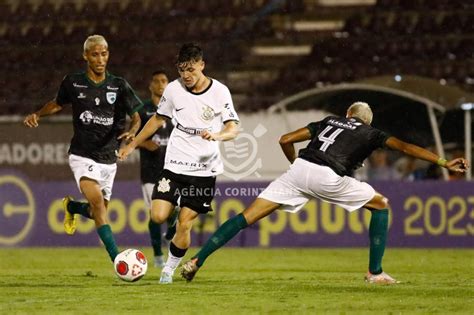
{"x": 107, "y": 75}
{"x": 202, "y": 92}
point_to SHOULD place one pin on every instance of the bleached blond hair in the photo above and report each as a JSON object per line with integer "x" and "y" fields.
{"x": 362, "y": 111}
{"x": 95, "y": 40}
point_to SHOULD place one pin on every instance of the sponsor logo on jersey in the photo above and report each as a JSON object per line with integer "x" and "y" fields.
{"x": 349, "y": 125}
{"x": 207, "y": 113}
{"x": 190, "y": 164}
{"x": 111, "y": 97}
{"x": 231, "y": 112}
{"x": 112, "y": 88}
{"x": 81, "y": 95}
{"x": 74, "y": 84}
{"x": 87, "y": 117}
{"x": 164, "y": 185}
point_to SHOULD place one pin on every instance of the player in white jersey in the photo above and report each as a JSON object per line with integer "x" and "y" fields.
{"x": 204, "y": 114}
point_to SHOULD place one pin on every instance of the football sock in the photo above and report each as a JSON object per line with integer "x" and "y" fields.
{"x": 155, "y": 236}
{"x": 171, "y": 231}
{"x": 175, "y": 255}
{"x": 224, "y": 233}
{"x": 105, "y": 234}
{"x": 378, "y": 236}
{"x": 81, "y": 208}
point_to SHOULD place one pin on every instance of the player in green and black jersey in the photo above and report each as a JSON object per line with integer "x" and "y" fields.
{"x": 100, "y": 103}
{"x": 322, "y": 170}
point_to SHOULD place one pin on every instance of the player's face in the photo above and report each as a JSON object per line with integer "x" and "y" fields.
{"x": 158, "y": 84}
{"x": 97, "y": 57}
{"x": 191, "y": 72}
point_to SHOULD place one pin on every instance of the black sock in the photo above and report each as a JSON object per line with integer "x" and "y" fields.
{"x": 155, "y": 236}
{"x": 177, "y": 252}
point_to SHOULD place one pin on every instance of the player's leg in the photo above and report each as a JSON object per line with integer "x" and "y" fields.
{"x": 80, "y": 167}
{"x": 171, "y": 229}
{"x": 98, "y": 209}
{"x": 258, "y": 209}
{"x": 179, "y": 244}
{"x": 378, "y": 230}
{"x": 154, "y": 229}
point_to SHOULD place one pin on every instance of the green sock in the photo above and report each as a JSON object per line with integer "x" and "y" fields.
{"x": 378, "y": 236}
{"x": 224, "y": 233}
{"x": 81, "y": 208}
{"x": 105, "y": 233}
{"x": 155, "y": 236}
{"x": 171, "y": 231}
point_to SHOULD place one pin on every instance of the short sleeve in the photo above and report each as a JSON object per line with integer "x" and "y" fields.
{"x": 378, "y": 138}
{"x": 165, "y": 108}
{"x": 313, "y": 128}
{"x": 130, "y": 100}
{"x": 63, "y": 97}
{"x": 228, "y": 112}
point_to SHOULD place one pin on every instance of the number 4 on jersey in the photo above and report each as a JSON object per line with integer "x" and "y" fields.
{"x": 328, "y": 140}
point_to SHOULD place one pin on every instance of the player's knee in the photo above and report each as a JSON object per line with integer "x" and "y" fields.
{"x": 157, "y": 217}
{"x": 184, "y": 226}
{"x": 382, "y": 203}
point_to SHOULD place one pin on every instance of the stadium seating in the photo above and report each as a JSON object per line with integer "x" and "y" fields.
{"x": 43, "y": 39}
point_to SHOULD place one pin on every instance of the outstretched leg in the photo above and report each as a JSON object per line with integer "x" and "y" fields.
{"x": 258, "y": 209}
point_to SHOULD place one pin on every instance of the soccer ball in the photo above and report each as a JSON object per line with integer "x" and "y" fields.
{"x": 130, "y": 265}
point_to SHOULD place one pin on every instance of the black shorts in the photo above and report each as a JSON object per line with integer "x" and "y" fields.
{"x": 193, "y": 192}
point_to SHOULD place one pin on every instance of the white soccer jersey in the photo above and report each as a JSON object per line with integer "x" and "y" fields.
{"x": 187, "y": 153}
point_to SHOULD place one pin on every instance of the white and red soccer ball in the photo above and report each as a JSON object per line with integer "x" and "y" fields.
{"x": 130, "y": 265}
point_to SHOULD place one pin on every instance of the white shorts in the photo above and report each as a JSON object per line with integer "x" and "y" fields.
{"x": 147, "y": 190}
{"x": 103, "y": 174}
{"x": 305, "y": 180}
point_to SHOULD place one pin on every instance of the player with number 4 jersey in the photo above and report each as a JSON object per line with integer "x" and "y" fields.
{"x": 337, "y": 146}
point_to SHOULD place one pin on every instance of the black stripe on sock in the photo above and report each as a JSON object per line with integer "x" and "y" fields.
{"x": 177, "y": 252}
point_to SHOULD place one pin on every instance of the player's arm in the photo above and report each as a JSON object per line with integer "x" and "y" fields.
{"x": 149, "y": 145}
{"x": 132, "y": 130}
{"x": 455, "y": 165}
{"x": 229, "y": 132}
{"x": 48, "y": 109}
{"x": 287, "y": 142}
{"x": 150, "y": 128}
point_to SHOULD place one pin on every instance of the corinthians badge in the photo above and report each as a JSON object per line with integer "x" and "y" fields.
{"x": 207, "y": 113}
{"x": 164, "y": 185}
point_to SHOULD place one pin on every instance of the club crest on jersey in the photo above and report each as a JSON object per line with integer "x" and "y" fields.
{"x": 207, "y": 113}
{"x": 111, "y": 97}
{"x": 97, "y": 101}
{"x": 164, "y": 185}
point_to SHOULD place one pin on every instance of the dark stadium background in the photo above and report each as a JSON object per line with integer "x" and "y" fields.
{"x": 407, "y": 58}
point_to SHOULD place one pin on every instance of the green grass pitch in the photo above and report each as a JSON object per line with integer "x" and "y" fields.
{"x": 239, "y": 281}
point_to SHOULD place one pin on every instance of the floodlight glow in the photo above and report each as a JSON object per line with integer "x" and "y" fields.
{"x": 467, "y": 106}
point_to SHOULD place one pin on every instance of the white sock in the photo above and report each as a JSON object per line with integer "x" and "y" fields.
{"x": 171, "y": 263}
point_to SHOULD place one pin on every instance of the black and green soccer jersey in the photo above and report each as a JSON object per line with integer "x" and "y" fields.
{"x": 342, "y": 143}
{"x": 151, "y": 163}
{"x": 98, "y": 112}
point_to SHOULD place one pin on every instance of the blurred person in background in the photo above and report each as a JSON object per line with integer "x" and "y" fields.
{"x": 100, "y": 102}
{"x": 203, "y": 110}
{"x": 152, "y": 160}
{"x": 322, "y": 170}
{"x": 380, "y": 168}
